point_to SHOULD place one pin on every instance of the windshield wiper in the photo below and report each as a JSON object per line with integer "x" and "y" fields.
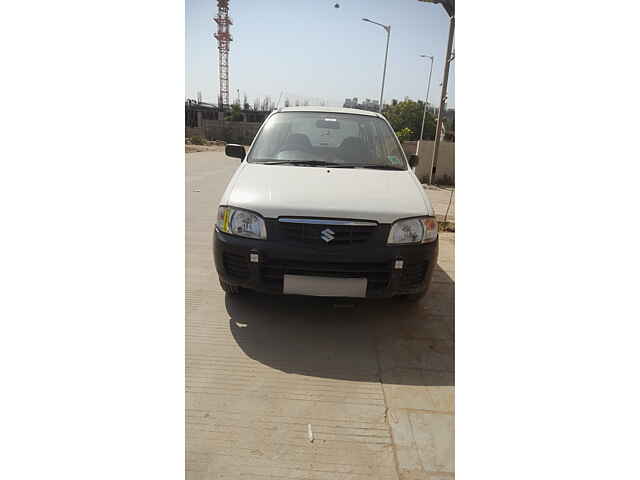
{"x": 272, "y": 162}
{"x": 324, "y": 163}
{"x": 372, "y": 165}
{"x": 320, "y": 163}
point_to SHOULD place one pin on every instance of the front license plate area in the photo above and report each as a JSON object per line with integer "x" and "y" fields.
{"x": 324, "y": 286}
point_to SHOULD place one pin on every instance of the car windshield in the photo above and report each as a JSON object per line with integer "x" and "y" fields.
{"x": 335, "y": 139}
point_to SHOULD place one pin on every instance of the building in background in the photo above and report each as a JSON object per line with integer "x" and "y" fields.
{"x": 367, "y": 104}
{"x": 195, "y": 112}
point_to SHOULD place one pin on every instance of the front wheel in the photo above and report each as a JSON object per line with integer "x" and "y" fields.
{"x": 230, "y": 289}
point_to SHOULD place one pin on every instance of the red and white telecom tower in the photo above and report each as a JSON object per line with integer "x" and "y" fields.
{"x": 224, "y": 38}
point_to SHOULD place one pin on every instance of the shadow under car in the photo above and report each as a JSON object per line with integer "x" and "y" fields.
{"x": 367, "y": 340}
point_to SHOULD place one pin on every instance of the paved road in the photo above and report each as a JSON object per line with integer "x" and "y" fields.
{"x": 372, "y": 378}
{"x": 443, "y": 201}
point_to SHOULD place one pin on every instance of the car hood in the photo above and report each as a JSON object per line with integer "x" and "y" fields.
{"x": 284, "y": 190}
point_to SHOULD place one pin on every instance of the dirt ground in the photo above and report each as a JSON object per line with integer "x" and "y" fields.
{"x": 188, "y": 148}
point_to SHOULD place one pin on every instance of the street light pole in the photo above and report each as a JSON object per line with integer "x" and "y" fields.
{"x": 424, "y": 114}
{"x": 387, "y": 29}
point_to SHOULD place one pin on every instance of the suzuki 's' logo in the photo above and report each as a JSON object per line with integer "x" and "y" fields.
{"x": 327, "y": 235}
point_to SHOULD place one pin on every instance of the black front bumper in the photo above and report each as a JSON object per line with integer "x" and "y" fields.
{"x": 277, "y": 258}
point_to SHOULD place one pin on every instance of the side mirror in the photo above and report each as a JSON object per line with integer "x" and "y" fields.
{"x": 413, "y": 160}
{"x": 235, "y": 151}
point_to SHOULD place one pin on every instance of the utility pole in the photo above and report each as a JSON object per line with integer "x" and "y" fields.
{"x": 449, "y": 6}
{"x": 443, "y": 98}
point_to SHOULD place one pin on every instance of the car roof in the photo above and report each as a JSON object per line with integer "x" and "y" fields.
{"x": 353, "y": 111}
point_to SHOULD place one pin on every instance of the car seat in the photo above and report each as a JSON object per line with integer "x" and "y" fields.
{"x": 353, "y": 150}
{"x": 297, "y": 141}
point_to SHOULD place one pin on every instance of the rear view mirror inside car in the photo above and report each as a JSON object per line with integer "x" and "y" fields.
{"x": 328, "y": 123}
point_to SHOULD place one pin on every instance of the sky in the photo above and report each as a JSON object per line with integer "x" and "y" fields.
{"x": 309, "y": 48}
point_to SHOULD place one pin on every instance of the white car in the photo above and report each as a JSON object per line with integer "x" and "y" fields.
{"x": 325, "y": 203}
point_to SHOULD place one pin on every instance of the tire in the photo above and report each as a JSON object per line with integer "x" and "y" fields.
{"x": 230, "y": 289}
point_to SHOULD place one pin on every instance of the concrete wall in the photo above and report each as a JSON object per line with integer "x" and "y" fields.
{"x": 194, "y": 132}
{"x": 232, "y": 132}
{"x": 445, "y": 170}
{"x": 237, "y": 132}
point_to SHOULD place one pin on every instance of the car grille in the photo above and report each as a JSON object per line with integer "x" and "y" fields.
{"x": 377, "y": 274}
{"x": 236, "y": 265}
{"x": 312, "y": 233}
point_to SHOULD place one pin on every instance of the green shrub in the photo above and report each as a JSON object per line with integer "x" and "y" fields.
{"x": 404, "y": 134}
{"x": 446, "y": 226}
{"x": 197, "y": 140}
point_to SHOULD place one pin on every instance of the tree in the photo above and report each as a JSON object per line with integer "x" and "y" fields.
{"x": 235, "y": 115}
{"x": 408, "y": 114}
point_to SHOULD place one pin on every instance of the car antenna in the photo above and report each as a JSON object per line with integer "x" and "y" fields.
{"x": 278, "y": 104}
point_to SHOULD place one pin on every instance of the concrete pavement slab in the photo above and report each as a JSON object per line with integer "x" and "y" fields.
{"x": 260, "y": 369}
{"x": 423, "y": 442}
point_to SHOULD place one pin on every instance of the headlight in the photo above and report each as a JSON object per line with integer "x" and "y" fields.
{"x": 413, "y": 230}
{"x": 241, "y": 222}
